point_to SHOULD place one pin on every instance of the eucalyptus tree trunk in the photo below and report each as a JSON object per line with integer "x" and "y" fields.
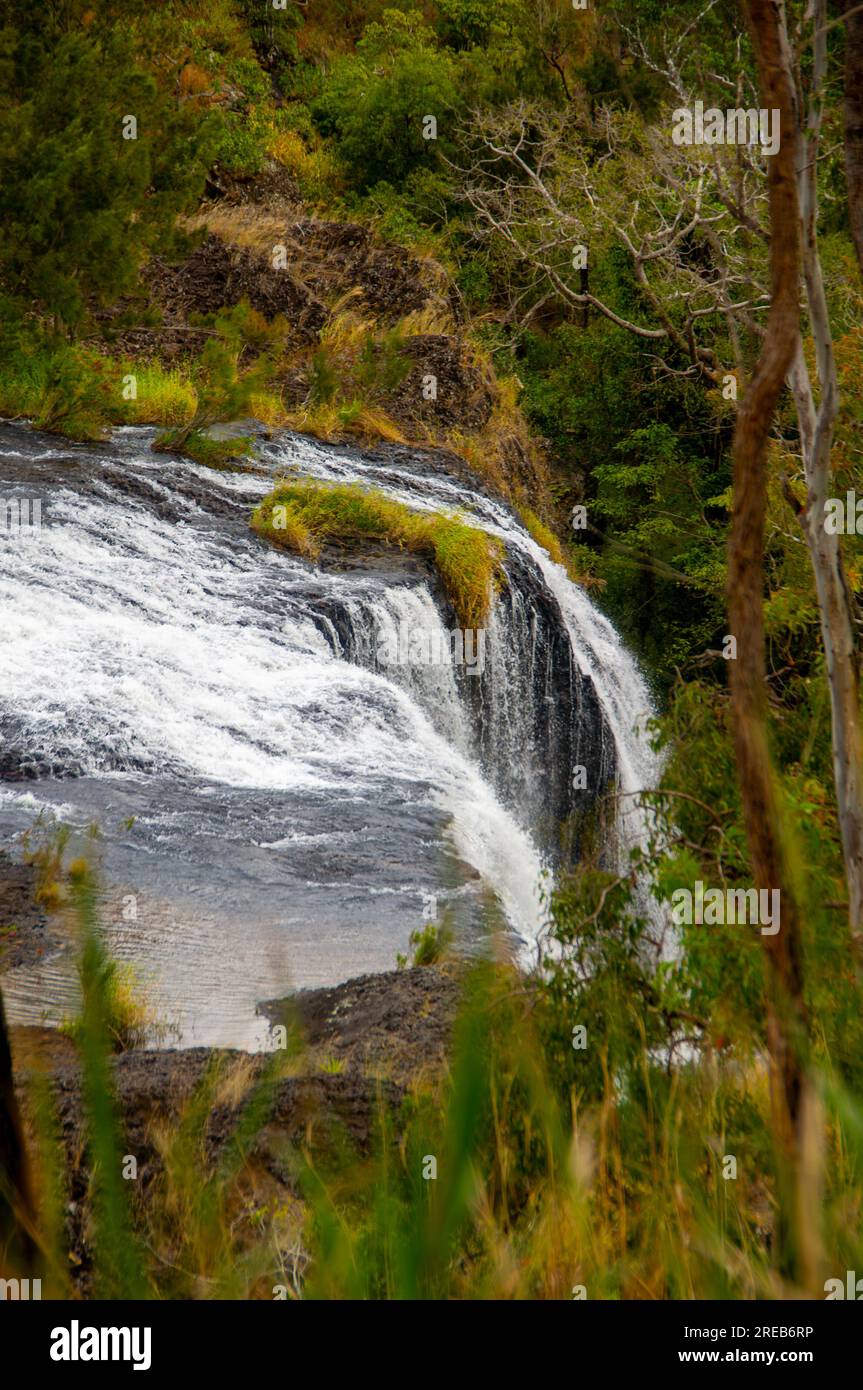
{"x": 837, "y": 635}
{"x": 825, "y": 551}
{"x": 786, "y": 1014}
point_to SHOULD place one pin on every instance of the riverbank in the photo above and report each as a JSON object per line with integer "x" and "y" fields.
{"x": 367, "y": 1045}
{"x": 298, "y": 322}
{"x": 391, "y": 1024}
{"x": 25, "y": 935}
{"x": 359, "y": 1049}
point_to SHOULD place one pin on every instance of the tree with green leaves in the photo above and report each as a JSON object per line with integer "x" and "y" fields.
{"x": 96, "y": 160}
{"x": 376, "y": 102}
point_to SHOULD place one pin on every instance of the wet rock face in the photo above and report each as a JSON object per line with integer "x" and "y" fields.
{"x": 538, "y": 718}
{"x": 20, "y": 762}
{"x": 535, "y": 718}
{"x": 402, "y": 1018}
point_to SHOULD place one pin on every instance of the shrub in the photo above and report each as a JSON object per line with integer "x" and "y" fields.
{"x": 430, "y": 943}
{"x": 374, "y": 101}
{"x": 62, "y": 388}
{"x": 44, "y": 845}
{"x": 80, "y": 205}
{"x": 212, "y": 453}
{"x": 311, "y": 163}
{"x": 225, "y": 385}
{"x": 240, "y": 146}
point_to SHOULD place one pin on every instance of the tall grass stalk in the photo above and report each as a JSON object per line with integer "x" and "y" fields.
{"x": 119, "y": 1262}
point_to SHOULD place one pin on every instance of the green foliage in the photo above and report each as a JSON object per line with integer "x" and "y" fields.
{"x": 430, "y": 943}
{"x": 323, "y": 377}
{"x": 609, "y": 975}
{"x": 61, "y": 387}
{"x": 374, "y": 101}
{"x": 164, "y": 396}
{"x": 128, "y": 1019}
{"x": 382, "y": 364}
{"x": 418, "y": 214}
{"x": 273, "y": 33}
{"x": 80, "y": 205}
{"x": 699, "y": 804}
{"x": 657, "y": 499}
{"x": 476, "y": 23}
{"x": 514, "y": 49}
{"x": 212, "y": 453}
{"x": 226, "y": 380}
{"x": 239, "y": 146}
{"x": 474, "y": 281}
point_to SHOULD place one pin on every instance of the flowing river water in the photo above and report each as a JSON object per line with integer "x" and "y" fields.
{"x": 277, "y": 807}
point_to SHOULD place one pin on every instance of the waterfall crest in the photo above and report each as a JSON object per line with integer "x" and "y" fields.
{"x": 160, "y": 664}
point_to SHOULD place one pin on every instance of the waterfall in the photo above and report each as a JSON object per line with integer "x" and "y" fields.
{"x": 285, "y": 803}
{"x": 596, "y": 648}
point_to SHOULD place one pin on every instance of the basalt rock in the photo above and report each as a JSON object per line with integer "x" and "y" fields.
{"x": 216, "y": 276}
{"x": 343, "y": 256}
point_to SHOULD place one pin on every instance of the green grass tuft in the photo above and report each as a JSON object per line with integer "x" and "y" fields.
{"x": 129, "y": 1020}
{"x": 301, "y": 516}
{"x": 164, "y": 397}
{"x": 431, "y": 943}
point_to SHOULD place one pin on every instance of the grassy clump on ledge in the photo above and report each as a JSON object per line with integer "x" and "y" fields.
{"x": 212, "y": 453}
{"x": 301, "y": 516}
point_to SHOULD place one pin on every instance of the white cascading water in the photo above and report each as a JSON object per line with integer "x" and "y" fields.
{"x": 283, "y": 814}
{"x": 598, "y": 650}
